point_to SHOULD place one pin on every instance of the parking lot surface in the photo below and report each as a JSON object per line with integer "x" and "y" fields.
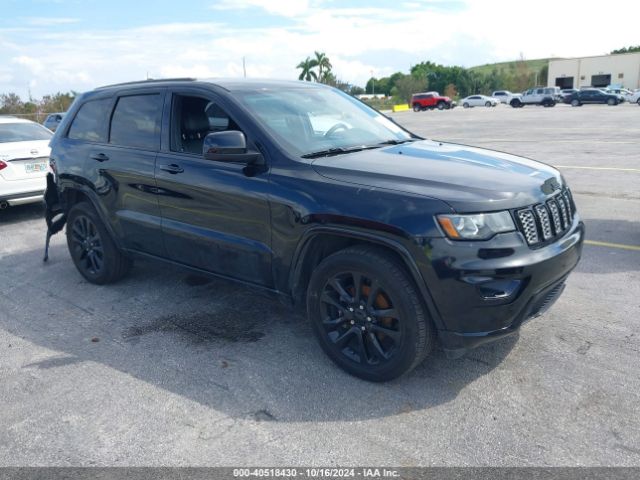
{"x": 168, "y": 368}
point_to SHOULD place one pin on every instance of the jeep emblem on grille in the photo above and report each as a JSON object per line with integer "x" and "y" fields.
{"x": 550, "y": 186}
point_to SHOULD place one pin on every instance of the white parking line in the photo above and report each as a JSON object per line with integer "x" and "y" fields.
{"x": 637, "y": 170}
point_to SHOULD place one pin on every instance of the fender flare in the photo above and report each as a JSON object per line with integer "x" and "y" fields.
{"x": 305, "y": 241}
{"x": 97, "y": 205}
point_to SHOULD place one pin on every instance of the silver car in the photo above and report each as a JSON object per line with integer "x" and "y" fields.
{"x": 53, "y": 120}
{"x": 479, "y": 101}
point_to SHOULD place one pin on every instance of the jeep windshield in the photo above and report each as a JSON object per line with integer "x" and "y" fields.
{"x": 315, "y": 122}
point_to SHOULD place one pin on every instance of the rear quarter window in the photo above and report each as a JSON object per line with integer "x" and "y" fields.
{"x": 89, "y": 122}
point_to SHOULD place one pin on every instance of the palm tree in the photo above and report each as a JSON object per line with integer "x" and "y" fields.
{"x": 323, "y": 63}
{"x": 307, "y": 67}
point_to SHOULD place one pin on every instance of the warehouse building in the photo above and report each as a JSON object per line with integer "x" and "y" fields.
{"x": 599, "y": 71}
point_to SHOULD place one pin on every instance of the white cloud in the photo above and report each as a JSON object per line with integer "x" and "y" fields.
{"x": 286, "y": 8}
{"x": 50, "y": 21}
{"x": 357, "y": 40}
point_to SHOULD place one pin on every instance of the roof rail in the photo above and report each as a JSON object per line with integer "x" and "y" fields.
{"x": 149, "y": 80}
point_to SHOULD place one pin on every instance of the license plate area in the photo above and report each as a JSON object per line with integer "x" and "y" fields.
{"x": 35, "y": 167}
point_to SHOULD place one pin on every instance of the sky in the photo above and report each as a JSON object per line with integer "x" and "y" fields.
{"x": 48, "y": 46}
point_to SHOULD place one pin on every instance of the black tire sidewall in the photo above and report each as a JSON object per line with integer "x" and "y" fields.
{"x": 407, "y": 302}
{"x": 111, "y": 253}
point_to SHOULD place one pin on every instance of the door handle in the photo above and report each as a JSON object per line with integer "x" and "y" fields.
{"x": 100, "y": 157}
{"x": 172, "y": 168}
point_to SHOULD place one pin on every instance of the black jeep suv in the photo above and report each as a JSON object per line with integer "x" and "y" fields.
{"x": 391, "y": 241}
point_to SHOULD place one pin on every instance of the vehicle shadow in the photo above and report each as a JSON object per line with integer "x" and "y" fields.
{"x": 228, "y": 347}
{"x": 20, "y": 213}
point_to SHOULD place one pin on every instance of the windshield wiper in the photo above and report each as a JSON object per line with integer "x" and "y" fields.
{"x": 397, "y": 142}
{"x": 330, "y": 152}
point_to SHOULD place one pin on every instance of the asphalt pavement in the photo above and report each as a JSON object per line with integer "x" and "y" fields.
{"x": 169, "y": 368}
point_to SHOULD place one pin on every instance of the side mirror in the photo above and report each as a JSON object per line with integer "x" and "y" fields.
{"x": 228, "y": 146}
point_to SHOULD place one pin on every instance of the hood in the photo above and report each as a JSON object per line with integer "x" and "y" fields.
{"x": 29, "y": 149}
{"x": 469, "y": 179}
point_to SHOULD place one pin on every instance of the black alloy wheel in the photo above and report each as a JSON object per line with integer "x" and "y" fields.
{"x": 360, "y": 319}
{"x": 92, "y": 249}
{"x": 87, "y": 245}
{"x": 367, "y": 314}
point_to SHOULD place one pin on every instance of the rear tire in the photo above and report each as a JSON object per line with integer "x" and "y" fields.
{"x": 367, "y": 314}
{"x": 92, "y": 249}
{"x": 515, "y": 103}
{"x": 575, "y": 103}
{"x": 465, "y": 105}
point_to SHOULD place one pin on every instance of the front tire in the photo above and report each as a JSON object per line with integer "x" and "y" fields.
{"x": 465, "y": 105}
{"x": 440, "y": 105}
{"x": 367, "y": 314}
{"x": 575, "y": 103}
{"x": 612, "y": 102}
{"x": 92, "y": 250}
{"x": 416, "y": 107}
{"x": 487, "y": 104}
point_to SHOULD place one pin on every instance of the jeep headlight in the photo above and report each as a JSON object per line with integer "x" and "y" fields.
{"x": 478, "y": 226}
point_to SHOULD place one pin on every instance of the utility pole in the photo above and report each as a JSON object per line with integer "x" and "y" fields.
{"x": 244, "y": 67}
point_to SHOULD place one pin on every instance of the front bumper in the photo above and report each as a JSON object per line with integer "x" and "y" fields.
{"x": 486, "y": 290}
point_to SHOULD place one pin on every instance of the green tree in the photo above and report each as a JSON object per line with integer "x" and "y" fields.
{"x": 11, "y": 103}
{"x": 58, "y": 102}
{"x": 307, "y": 67}
{"x": 407, "y": 86}
{"x": 324, "y": 65}
{"x": 631, "y": 49}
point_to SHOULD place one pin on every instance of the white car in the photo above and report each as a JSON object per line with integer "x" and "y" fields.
{"x": 24, "y": 161}
{"x": 479, "y": 101}
{"x": 633, "y": 97}
{"x": 505, "y": 96}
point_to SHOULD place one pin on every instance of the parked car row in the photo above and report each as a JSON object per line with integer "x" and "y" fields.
{"x": 543, "y": 96}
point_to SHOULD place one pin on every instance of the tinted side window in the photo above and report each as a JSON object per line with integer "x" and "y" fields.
{"x": 136, "y": 122}
{"x": 88, "y": 123}
{"x": 192, "y": 119}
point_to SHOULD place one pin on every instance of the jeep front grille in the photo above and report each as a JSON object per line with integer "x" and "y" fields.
{"x": 547, "y": 221}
